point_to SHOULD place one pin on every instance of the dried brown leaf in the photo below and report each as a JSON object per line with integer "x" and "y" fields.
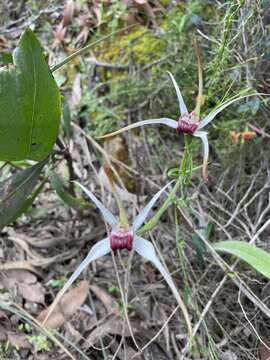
{"x": 85, "y": 23}
{"x": 32, "y": 292}
{"x": 96, "y": 9}
{"x": 11, "y": 265}
{"x": 18, "y": 340}
{"x": 68, "y": 12}
{"x": 3, "y": 315}
{"x": 67, "y": 306}
{"x": 106, "y": 299}
{"x": 127, "y": 353}
{"x": 59, "y": 35}
{"x": 112, "y": 326}
{"x": 3, "y": 335}
{"x": 82, "y": 36}
{"x": 25, "y": 283}
{"x": 14, "y": 277}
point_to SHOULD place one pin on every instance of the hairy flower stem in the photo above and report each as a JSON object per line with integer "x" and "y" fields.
{"x": 186, "y": 166}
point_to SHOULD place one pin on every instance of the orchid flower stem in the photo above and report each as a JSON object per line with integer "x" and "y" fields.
{"x": 186, "y": 163}
{"x": 87, "y": 47}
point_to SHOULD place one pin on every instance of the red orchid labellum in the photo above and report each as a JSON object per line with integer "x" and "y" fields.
{"x": 121, "y": 239}
{"x": 185, "y": 125}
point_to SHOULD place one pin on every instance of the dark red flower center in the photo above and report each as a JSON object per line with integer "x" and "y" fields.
{"x": 186, "y": 126}
{"x": 121, "y": 240}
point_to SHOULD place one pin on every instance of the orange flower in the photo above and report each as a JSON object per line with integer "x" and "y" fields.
{"x": 248, "y": 135}
{"x": 234, "y": 136}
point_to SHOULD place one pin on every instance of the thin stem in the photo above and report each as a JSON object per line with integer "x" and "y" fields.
{"x": 87, "y": 47}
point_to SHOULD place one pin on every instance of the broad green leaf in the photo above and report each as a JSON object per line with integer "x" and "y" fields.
{"x": 15, "y": 192}
{"x": 255, "y": 257}
{"x": 29, "y": 104}
{"x": 65, "y": 196}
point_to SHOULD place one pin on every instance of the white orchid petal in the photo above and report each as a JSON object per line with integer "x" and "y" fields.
{"x": 182, "y": 105}
{"x": 214, "y": 113}
{"x": 203, "y": 136}
{"x": 146, "y": 250}
{"x": 108, "y": 216}
{"x": 98, "y": 250}
{"x": 145, "y": 211}
{"x": 162, "y": 121}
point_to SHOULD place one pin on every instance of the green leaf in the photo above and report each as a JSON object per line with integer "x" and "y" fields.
{"x": 27, "y": 203}
{"x": 255, "y": 257}
{"x": 65, "y": 196}
{"x": 15, "y": 191}
{"x": 29, "y": 104}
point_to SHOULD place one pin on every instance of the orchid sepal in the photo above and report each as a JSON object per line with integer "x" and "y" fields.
{"x": 108, "y": 216}
{"x": 182, "y": 105}
{"x": 162, "y": 121}
{"x": 210, "y": 117}
{"x": 204, "y": 138}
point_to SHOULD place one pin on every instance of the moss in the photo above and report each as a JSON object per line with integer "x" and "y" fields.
{"x": 139, "y": 45}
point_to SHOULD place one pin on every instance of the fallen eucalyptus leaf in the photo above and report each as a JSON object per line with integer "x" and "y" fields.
{"x": 66, "y": 307}
{"x": 26, "y": 283}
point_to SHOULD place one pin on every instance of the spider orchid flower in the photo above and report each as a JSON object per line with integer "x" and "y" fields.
{"x": 123, "y": 236}
{"x": 188, "y": 123}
